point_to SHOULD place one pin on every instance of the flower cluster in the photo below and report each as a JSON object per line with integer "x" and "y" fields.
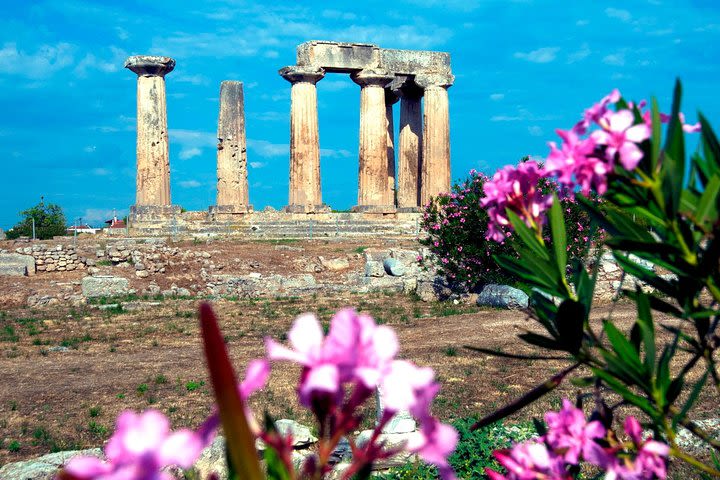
{"x": 340, "y": 372}
{"x": 359, "y": 355}
{"x": 571, "y": 439}
{"x": 584, "y": 161}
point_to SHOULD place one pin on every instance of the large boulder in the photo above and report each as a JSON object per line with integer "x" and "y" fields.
{"x": 502, "y": 296}
{"x": 374, "y": 268}
{"x": 16, "y": 265}
{"x": 45, "y": 467}
{"x": 105, "y": 286}
{"x": 394, "y": 267}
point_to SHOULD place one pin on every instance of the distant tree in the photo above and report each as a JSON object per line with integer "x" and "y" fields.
{"x": 49, "y": 222}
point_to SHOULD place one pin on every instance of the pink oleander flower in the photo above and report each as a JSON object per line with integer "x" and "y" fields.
{"x": 141, "y": 446}
{"x": 570, "y": 433}
{"x": 576, "y": 164}
{"x": 621, "y": 137}
{"x": 665, "y": 118}
{"x": 355, "y": 349}
{"x": 515, "y": 188}
{"x": 529, "y": 461}
{"x": 434, "y": 443}
{"x": 596, "y": 112}
{"x": 650, "y": 461}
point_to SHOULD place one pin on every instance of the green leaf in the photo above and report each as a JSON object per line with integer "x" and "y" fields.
{"x": 240, "y": 440}
{"x": 706, "y": 210}
{"x": 656, "y": 134}
{"x": 674, "y": 158}
{"x": 541, "y": 341}
{"x": 710, "y": 143}
{"x": 622, "y": 346}
{"x": 647, "y": 330}
{"x": 527, "y": 235}
{"x": 570, "y": 320}
{"x": 619, "y": 388}
{"x": 692, "y": 398}
{"x": 559, "y": 235}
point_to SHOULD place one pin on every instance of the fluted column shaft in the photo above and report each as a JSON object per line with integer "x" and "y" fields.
{"x": 410, "y": 156}
{"x": 373, "y": 172}
{"x": 390, "y": 100}
{"x": 153, "y": 156}
{"x": 232, "y": 174}
{"x": 436, "y": 138}
{"x": 305, "y": 195}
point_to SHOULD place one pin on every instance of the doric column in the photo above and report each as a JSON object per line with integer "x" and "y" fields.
{"x": 153, "y": 158}
{"x": 232, "y": 174}
{"x": 436, "y": 135}
{"x": 373, "y": 191}
{"x": 305, "y": 192}
{"x": 410, "y": 156}
{"x": 390, "y": 100}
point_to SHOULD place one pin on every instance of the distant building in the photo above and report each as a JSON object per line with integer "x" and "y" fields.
{"x": 115, "y": 223}
{"x": 71, "y": 230}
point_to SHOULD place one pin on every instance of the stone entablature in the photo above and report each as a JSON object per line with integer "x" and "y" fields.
{"x": 424, "y": 144}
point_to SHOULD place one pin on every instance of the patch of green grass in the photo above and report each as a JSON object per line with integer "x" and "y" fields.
{"x": 13, "y": 446}
{"x": 97, "y": 429}
{"x": 142, "y": 388}
{"x": 360, "y": 249}
{"x": 94, "y": 412}
{"x": 451, "y": 351}
{"x": 103, "y": 263}
{"x": 120, "y": 396}
{"x": 192, "y": 385}
{"x": 161, "y": 379}
{"x": 7, "y": 334}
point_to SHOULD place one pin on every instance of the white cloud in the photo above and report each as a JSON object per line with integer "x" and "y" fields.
{"x": 496, "y": 97}
{"x": 258, "y": 164}
{"x": 101, "y": 172}
{"x": 338, "y": 15}
{"x": 335, "y": 85}
{"x": 270, "y": 116}
{"x": 188, "y": 153}
{"x": 535, "y": 131}
{"x": 264, "y": 148}
{"x": 271, "y": 54}
{"x": 582, "y": 22}
{"x": 190, "y": 184}
{"x": 47, "y": 60}
{"x": 622, "y": 15}
{"x": 196, "y": 79}
{"x": 541, "y": 55}
{"x": 96, "y": 216}
{"x": 582, "y": 53}
{"x": 90, "y": 149}
{"x": 112, "y": 62}
{"x": 615, "y": 59}
{"x": 522, "y": 115}
{"x": 122, "y": 33}
{"x": 332, "y": 153}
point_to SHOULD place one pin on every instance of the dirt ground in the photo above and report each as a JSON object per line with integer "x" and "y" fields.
{"x": 66, "y": 372}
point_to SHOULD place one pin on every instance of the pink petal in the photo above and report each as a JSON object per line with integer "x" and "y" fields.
{"x": 324, "y": 378}
{"x": 277, "y": 351}
{"x": 621, "y": 121}
{"x": 182, "y": 448}
{"x": 656, "y": 448}
{"x": 638, "y": 133}
{"x": 256, "y": 377}
{"x": 385, "y": 342}
{"x": 306, "y": 335}
{"x": 601, "y": 137}
{"x": 633, "y": 429}
{"x": 87, "y": 467}
{"x": 692, "y": 128}
{"x": 630, "y": 155}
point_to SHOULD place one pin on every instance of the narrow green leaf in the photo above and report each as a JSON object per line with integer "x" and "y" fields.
{"x": 559, "y": 235}
{"x": 527, "y": 235}
{"x": 647, "y": 330}
{"x": 541, "y": 341}
{"x": 656, "y": 134}
{"x": 694, "y": 394}
{"x": 710, "y": 143}
{"x": 617, "y": 386}
{"x": 706, "y": 211}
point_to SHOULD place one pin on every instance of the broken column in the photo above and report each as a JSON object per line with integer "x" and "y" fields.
{"x": 390, "y": 100}
{"x": 232, "y": 173}
{"x": 410, "y": 154}
{"x": 436, "y": 135}
{"x": 153, "y": 158}
{"x": 373, "y": 190}
{"x": 305, "y": 191}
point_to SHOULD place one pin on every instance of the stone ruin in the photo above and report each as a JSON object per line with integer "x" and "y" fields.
{"x": 384, "y": 76}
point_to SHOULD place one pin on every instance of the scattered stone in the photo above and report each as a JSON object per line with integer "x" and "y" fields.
{"x": 433, "y": 290}
{"x": 402, "y": 422}
{"x": 16, "y": 265}
{"x": 142, "y": 273}
{"x": 105, "y": 286}
{"x": 335, "y": 264}
{"x": 301, "y": 435}
{"x": 394, "y": 267}
{"x": 58, "y": 349}
{"x": 45, "y": 467}
{"x": 374, "y": 269}
{"x": 502, "y": 296}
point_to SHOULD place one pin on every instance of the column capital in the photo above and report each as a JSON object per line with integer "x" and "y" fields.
{"x": 372, "y": 78}
{"x": 430, "y": 80}
{"x": 297, "y": 74}
{"x": 150, "y": 65}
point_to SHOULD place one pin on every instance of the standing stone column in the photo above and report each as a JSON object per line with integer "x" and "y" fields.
{"x": 305, "y": 191}
{"x": 232, "y": 173}
{"x": 153, "y": 157}
{"x": 373, "y": 191}
{"x": 390, "y": 100}
{"x": 436, "y": 135}
{"x": 411, "y": 141}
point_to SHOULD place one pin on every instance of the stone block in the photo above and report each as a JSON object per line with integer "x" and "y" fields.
{"x": 338, "y": 56}
{"x": 393, "y": 267}
{"x": 433, "y": 290}
{"x": 14, "y": 264}
{"x": 105, "y": 286}
{"x": 374, "y": 269}
{"x": 502, "y": 296}
{"x": 335, "y": 264}
{"x": 411, "y": 62}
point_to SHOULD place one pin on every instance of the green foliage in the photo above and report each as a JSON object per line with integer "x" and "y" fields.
{"x": 456, "y": 225}
{"x": 473, "y": 453}
{"x": 49, "y": 222}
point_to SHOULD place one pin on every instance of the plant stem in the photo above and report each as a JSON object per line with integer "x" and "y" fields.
{"x": 694, "y": 462}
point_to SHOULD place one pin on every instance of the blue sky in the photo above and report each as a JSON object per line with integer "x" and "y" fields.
{"x": 523, "y": 68}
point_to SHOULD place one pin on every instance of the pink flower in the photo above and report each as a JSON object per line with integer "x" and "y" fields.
{"x": 575, "y": 162}
{"x": 514, "y": 188}
{"x": 141, "y": 446}
{"x": 651, "y": 457}
{"x": 529, "y": 461}
{"x": 406, "y": 386}
{"x": 665, "y": 118}
{"x": 434, "y": 443}
{"x": 621, "y": 137}
{"x": 596, "y": 112}
{"x": 569, "y": 432}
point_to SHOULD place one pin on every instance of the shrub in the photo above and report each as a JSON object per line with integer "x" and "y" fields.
{"x": 457, "y": 227}
{"x": 49, "y": 222}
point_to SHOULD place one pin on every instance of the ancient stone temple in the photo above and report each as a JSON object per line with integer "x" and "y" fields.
{"x": 153, "y": 159}
{"x": 384, "y": 76}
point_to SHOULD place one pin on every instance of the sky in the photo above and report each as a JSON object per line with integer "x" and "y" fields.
{"x": 523, "y": 69}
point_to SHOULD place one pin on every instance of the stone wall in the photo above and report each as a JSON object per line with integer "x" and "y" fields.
{"x": 50, "y": 258}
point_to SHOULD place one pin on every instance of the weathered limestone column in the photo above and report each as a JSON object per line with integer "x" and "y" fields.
{"x": 390, "y": 100}
{"x": 153, "y": 157}
{"x": 411, "y": 141}
{"x": 305, "y": 191}
{"x": 232, "y": 173}
{"x": 436, "y": 135}
{"x": 373, "y": 191}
